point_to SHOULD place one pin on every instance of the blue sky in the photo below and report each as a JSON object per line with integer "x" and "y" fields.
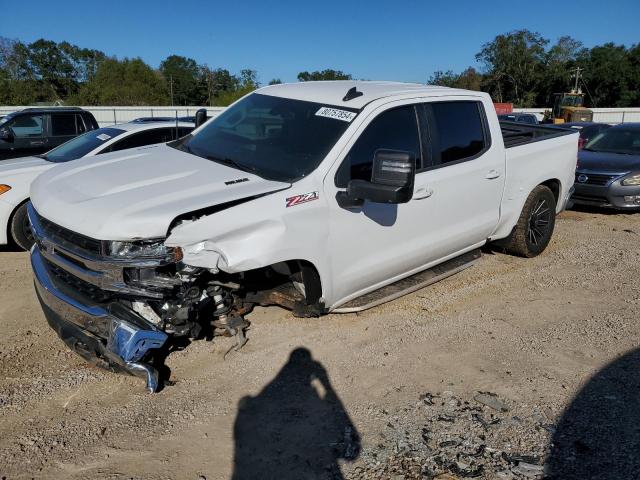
{"x": 376, "y": 40}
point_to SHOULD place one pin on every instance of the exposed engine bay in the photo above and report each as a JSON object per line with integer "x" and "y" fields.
{"x": 200, "y": 303}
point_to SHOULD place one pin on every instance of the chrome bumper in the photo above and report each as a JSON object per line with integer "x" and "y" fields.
{"x": 111, "y": 336}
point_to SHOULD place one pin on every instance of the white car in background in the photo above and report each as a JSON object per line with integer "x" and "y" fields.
{"x": 16, "y": 175}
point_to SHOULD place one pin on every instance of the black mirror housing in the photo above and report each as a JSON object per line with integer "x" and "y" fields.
{"x": 392, "y": 179}
{"x": 6, "y": 134}
{"x": 201, "y": 116}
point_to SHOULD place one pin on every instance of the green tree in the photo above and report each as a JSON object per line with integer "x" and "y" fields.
{"x": 275, "y": 81}
{"x": 243, "y": 84}
{"x": 469, "y": 79}
{"x": 327, "y": 74}
{"x": 513, "y": 66}
{"x": 184, "y": 81}
{"x": 123, "y": 82}
{"x": 559, "y": 61}
{"x": 611, "y": 75}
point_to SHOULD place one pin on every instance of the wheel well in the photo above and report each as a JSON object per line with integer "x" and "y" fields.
{"x": 554, "y": 186}
{"x": 13, "y": 214}
{"x": 310, "y": 277}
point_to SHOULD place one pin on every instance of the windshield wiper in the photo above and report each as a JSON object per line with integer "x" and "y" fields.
{"x": 233, "y": 163}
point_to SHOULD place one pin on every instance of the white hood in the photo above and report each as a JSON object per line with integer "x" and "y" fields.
{"x": 137, "y": 193}
{"x": 22, "y": 166}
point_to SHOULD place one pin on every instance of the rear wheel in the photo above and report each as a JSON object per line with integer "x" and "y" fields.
{"x": 534, "y": 229}
{"x": 20, "y": 228}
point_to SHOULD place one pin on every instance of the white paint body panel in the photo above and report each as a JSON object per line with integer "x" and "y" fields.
{"x": 354, "y": 251}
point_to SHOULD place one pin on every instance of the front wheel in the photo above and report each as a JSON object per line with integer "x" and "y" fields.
{"x": 532, "y": 233}
{"x": 20, "y": 228}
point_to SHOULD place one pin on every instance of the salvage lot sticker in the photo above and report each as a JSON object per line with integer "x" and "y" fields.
{"x": 336, "y": 113}
{"x": 304, "y": 198}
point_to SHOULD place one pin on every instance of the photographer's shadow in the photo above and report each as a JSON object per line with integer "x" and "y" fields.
{"x": 598, "y": 435}
{"x": 295, "y": 428}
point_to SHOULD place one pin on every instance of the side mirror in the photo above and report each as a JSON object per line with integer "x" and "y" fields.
{"x": 201, "y": 116}
{"x": 6, "y": 134}
{"x": 392, "y": 180}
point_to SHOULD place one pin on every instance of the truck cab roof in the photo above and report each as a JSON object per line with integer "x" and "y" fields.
{"x": 335, "y": 92}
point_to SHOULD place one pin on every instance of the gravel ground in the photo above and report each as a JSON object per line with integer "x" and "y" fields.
{"x": 514, "y": 368}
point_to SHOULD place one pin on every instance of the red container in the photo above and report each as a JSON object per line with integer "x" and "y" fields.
{"x": 502, "y": 108}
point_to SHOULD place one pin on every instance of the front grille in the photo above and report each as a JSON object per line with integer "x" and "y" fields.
{"x": 67, "y": 238}
{"x": 591, "y": 199}
{"x": 76, "y": 284}
{"x": 594, "y": 178}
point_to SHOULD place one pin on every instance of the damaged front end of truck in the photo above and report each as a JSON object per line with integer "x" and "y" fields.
{"x": 124, "y": 305}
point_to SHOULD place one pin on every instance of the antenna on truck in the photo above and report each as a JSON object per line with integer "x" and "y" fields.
{"x": 351, "y": 94}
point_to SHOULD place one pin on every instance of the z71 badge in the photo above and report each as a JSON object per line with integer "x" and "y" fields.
{"x": 304, "y": 198}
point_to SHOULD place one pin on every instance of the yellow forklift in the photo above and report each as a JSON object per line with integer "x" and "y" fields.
{"x": 568, "y": 107}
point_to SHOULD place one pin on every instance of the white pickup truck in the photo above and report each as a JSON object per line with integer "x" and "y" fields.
{"x": 319, "y": 197}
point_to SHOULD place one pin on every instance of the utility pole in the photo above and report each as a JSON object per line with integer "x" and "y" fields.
{"x": 577, "y": 74}
{"x": 171, "y": 88}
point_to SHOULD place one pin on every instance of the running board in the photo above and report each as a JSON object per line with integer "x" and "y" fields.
{"x": 410, "y": 284}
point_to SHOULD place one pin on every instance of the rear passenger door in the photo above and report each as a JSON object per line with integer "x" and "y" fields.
{"x": 460, "y": 188}
{"x": 64, "y": 127}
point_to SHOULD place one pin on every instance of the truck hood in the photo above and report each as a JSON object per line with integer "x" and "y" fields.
{"x": 137, "y": 193}
{"x": 605, "y": 161}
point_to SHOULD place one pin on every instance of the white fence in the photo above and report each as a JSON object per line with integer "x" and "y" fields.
{"x": 110, "y": 115}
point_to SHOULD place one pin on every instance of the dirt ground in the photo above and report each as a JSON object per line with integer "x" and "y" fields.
{"x": 554, "y": 338}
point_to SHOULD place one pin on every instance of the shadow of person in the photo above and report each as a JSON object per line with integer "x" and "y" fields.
{"x": 295, "y": 428}
{"x": 598, "y": 435}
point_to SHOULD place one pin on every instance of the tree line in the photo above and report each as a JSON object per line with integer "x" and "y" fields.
{"x": 520, "y": 67}
{"x": 524, "y": 68}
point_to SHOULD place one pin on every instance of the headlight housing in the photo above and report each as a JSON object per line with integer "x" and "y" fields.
{"x": 137, "y": 249}
{"x": 631, "y": 180}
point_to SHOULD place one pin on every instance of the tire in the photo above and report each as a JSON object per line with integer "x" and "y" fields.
{"x": 20, "y": 229}
{"x": 534, "y": 229}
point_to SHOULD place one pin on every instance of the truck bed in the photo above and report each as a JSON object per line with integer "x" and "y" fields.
{"x": 516, "y": 134}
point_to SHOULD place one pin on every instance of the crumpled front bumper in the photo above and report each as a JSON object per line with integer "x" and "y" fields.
{"x": 110, "y": 336}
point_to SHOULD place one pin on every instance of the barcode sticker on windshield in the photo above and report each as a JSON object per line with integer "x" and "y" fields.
{"x": 343, "y": 115}
{"x": 103, "y": 136}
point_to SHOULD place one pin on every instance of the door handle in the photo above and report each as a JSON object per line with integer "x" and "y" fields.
{"x": 422, "y": 192}
{"x": 491, "y": 174}
{"x": 36, "y": 143}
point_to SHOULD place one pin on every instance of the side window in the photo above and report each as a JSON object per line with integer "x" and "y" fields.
{"x": 63, "y": 124}
{"x": 80, "y": 126}
{"x": 457, "y": 130}
{"x": 27, "y": 126}
{"x": 147, "y": 137}
{"x": 395, "y": 129}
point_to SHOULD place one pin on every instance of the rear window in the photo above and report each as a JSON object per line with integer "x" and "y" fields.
{"x": 78, "y": 147}
{"x": 458, "y": 130}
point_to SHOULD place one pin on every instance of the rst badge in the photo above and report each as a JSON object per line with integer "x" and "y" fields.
{"x": 304, "y": 198}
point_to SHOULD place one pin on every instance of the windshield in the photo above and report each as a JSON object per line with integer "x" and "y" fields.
{"x": 616, "y": 140}
{"x": 275, "y": 138}
{"x": 78, "y": 147}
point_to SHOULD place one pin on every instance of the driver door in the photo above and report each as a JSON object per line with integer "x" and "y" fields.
{"x": 374, "y": 242}
{"x": 29, "y": 136}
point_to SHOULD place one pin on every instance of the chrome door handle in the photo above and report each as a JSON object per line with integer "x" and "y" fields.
{"x": 422, "y": 192}
{"x": 491, "y": 174}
